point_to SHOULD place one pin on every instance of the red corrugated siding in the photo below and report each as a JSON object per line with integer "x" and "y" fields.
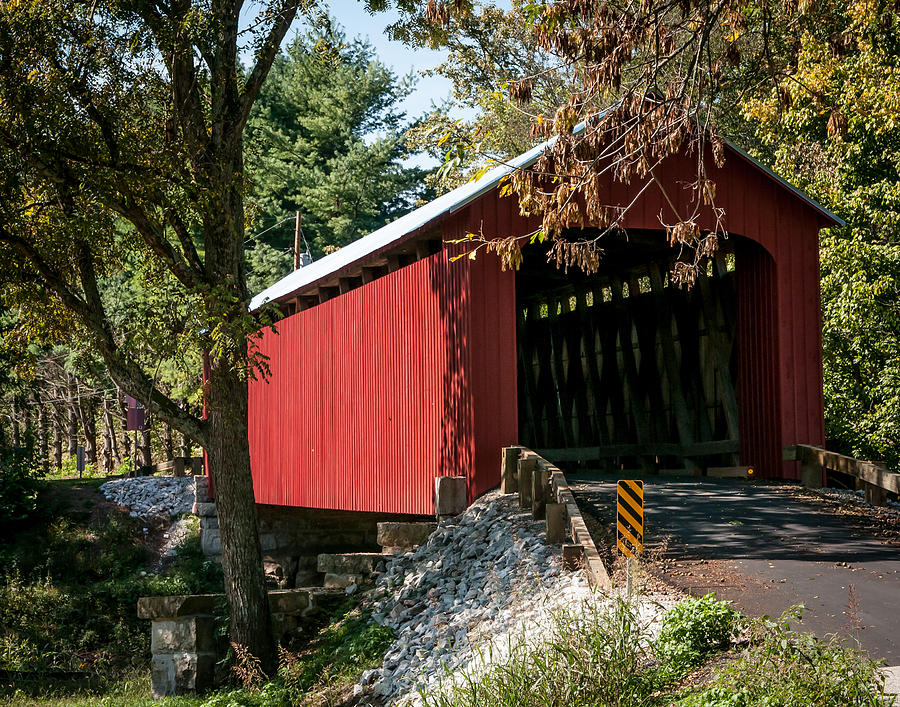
{"x": 374, "y": 393}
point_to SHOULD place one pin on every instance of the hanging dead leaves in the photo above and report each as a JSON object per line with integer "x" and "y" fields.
{"x": 659, "y": 65}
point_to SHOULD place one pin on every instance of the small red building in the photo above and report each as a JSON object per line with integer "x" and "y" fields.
{"x": 395, "y": 365}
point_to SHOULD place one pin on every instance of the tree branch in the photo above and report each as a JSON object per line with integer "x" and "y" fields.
{"x": 89, "y": 310}
{"x": 284, "y": 17}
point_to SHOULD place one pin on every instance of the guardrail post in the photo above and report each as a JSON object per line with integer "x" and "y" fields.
{"x": 557, "y": 523}
{"x": 875, "y": 495}
{"x": 509, "y": 481}
{"x": 538, "y": 492}
{"x": 811, "y": 475}
{"x": 526, "y": 469}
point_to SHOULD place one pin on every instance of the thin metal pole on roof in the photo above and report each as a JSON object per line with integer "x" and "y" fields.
{"x": 297, "y": 237}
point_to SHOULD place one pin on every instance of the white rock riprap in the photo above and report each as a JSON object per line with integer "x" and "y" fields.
{"x": 152, "y": 495}
{"x": 483, "y": 580}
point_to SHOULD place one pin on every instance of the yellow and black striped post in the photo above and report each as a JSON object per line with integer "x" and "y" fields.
{"x": 630, "y": 518}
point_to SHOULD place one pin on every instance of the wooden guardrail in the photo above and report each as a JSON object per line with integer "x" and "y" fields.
{"x": 179, "y": 466}
{"x": 816, "y": 462}
{"x": 543, "y": 488}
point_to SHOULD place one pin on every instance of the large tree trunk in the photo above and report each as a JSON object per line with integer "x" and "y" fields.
{"x": 229, "y": 446}
{"x": 229, "y": 463}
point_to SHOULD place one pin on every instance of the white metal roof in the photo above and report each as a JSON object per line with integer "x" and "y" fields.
{"x": 396, "y": 230}
{"x": 447, "y": 204}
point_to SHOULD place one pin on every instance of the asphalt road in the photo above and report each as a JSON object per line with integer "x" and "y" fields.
{"x": 767, "y": 547}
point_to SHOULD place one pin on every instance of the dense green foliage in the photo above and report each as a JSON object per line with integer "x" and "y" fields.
{"x": 70, "y": 579}
{"x": 692, "y": 630}
{"x": 782, "y": 668}
{"x": 19, "y": 484}
{"x": 326, "y": 138}
{"x": 831, "y": 124}
{"x": 609, "y": 657}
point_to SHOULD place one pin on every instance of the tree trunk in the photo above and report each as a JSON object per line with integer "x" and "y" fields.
{"x": 111, "y": 437}
{"x": 16, "y": 433}
{"x": 229, "y": 463}
{"x": 72, "y": 429}
{"x": 42, "y": 437}
{"x": 87, "y": 417}
{"x": 187, "y": 447}
{"x": 57, "y": 437}
{"x": 146, "y": 449}
{"x": 168, "y": 442}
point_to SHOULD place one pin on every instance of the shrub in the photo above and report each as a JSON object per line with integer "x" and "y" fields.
{"x": 20, "y": 480}
{"x": 692, "y": 630}
{"x": 781, "y": 668}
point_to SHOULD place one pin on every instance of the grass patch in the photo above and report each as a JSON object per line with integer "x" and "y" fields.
{"x": 70, "y": 578}
{"x": 608, "y": 656}
{"x": 350, "y": 644}
{"x": 781, "y": 668}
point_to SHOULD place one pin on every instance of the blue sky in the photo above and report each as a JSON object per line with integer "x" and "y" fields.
{"x": 351, "y": 15}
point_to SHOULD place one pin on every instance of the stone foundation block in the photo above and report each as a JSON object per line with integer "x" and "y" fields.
{"x": 403, "y": 536}
{"x": 181, "y": 673}
{"x": 288, "y": 601}
{"x": 363, "y": 563}
{"x": 449, "y": 496}
{"x": 211, "y": 542}
{"x": 207, "y": 523}
{"x": 191, "y": 634}
{"x": 204, "y": 510}
{"x": 340, "y": 581}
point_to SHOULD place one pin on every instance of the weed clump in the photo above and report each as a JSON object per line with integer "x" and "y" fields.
{"x": 782, "y": 668}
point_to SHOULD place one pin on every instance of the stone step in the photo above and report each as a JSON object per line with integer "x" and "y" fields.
{"x": 358, "y": 563}
{"x": 400, "y": 537}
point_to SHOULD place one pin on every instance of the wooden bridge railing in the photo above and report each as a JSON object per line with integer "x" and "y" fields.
{"x": 179, "y": 466}
{"x": 816, "y": 461}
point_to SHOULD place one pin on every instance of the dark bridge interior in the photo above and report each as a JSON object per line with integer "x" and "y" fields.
{"x": 622, "y": 369}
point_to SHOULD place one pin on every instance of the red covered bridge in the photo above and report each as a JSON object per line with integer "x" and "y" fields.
{"x": 395, "y": 365}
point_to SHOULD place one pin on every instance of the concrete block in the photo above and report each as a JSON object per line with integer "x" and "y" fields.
{"x": 363, "y": 563}
{"x": 509, "y": 471}
{"x": 177, "y": 606}
{"x": 209, "y": 523}
{"x": 307, "y": 578}
{"x": 339, "y": 581}
{"x": 173, "y": 674}
{"x": 449, "y": 496}
{"x": 404, "y": 535}
{"x": 268, "y": 541}
{"x": 204, "y": 510}
{"x": 288, "y": 601}
{"x": 211, "y": 542}
{"x": 191, "y": 634}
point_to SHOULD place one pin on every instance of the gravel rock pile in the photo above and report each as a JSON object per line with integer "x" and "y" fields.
{"x": 481, "y": 579}
{"x": 152, "y": 495}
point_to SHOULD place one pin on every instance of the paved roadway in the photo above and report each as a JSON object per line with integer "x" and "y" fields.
{"x": 767, "y": 547}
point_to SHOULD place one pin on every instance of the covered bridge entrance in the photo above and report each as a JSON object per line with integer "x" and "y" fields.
{"x": 395, "y": 365}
